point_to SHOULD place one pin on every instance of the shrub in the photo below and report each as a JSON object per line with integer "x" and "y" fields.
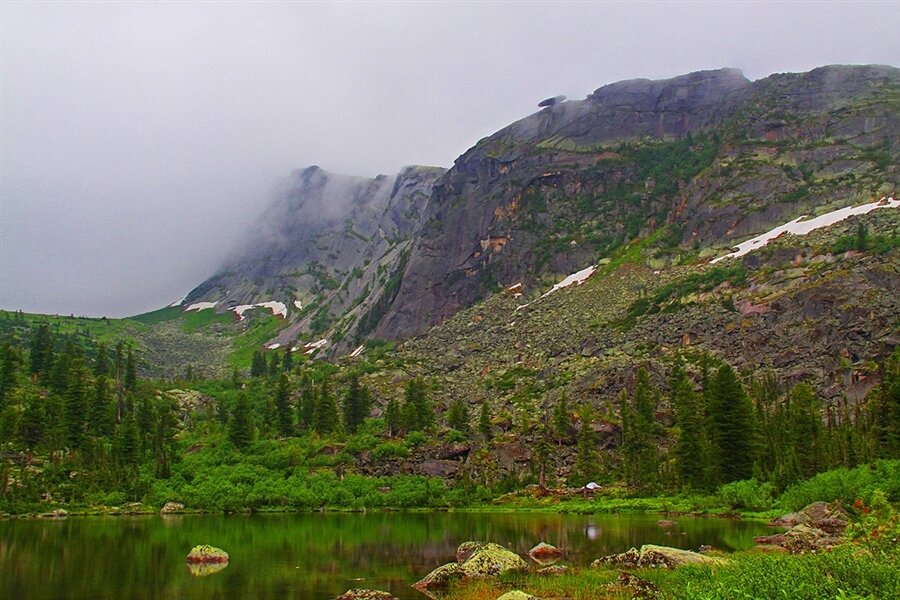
{"x": 748, "y": 494}
{"x": 390, "y": 450}
{"x": 846, "y": 485}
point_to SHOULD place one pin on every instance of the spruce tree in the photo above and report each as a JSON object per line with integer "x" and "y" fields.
{"x": 639, "y": 434}
{"x": 562, "y": 421}
{"x": 164, "y": 445}
{"x": 101, "y": 419}
{"x": 130, "y": 381}
{"x": 287, "y": 364}
{"x": 732, "y": 425}
{"x": 31, "y": 425}
{"x": 144, "y": 420}
{"x": 240, "y": 427}
{"x": 691, "y": 448}
{"x": 8, "y": 370}
{"x": 307, "y": 406}
{"x": 417, "y": 411}
{"x": 76, "y": 406}
{"x": 806, "y": 430}
{"x": 128, "y": 444}
{"x": 283, "y": 407}
{"x": 258, "y": 364}
{"x": 101, "y": 361}
{"x": 484, "y": 422}
{"x": 325, "y": 416}
{"x": 458, "y": 415}
{"x": 586, "y": 462}
{"x": 542, "y": 450}
{"x": 40, "y": 350}
{"x": 356, "y": 404}
{"x": 392, "y": 417}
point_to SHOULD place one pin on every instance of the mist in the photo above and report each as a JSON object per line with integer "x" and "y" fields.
{"x": 139, "y": 142}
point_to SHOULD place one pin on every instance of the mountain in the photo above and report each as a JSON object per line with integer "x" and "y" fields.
{"x": 695, "y": 163}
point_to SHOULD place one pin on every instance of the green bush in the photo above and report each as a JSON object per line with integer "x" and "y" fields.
{"x": 415, "y": 438}
{"x": 845, "y": 485}
{"x": 390, "y": 450}
{"x": 748, "y": 494}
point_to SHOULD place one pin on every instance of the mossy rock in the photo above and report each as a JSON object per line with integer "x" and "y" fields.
{"x": 491, "y": 560}
{"x": 207, "y": 554}
{"x": 364, "y": 594}
{"x": 440, "y": 577}
{"x": 517, "y": 595}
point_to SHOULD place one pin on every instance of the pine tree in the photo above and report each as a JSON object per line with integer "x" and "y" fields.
{"x": 418, "y": 414}
{"x": 806, "y": 430}
{"x": 145, "y": 420}
{"x": 691, "y": 449}
{"x": 31, "y": 425}
{"x": 890, "y": 400}
{"x": 258, "y": 364}
{"x": 307, "y": 406}
{"x": 562, "y": 421}
{"x": 8, "y": 369}
{"x": 356, "y": 404}
{"x": 39, "y": 352}
{"x": 484, "y": 422}
{"x": 287, "y": 364}
{"x": 458, "y": 416}
{"x": 240, "y": 427}
{"x": 164, "y": 439}
{"x": 274, "y": 365}
{"x": 542, "y": 450}
{"x": 283, "y": 407}
{"x": 586, "y": 462}
{"x": 392, "y": 417}
{"x": 639, "y": 434}
{"x": 731, "y": 425}
{"x": 101, "y": 362}
{"x": 236, "y": 379}
{"x": 76, "y": 406}
{"x": 101, "y": 419}
{"x": 130, "y": 381}
{"x": 128, "y": 444}
{"x": 325, "y": 417}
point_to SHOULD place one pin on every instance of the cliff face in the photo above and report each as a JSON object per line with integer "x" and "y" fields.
{"x": 695, "y": 163}
{"x": 709, "y": 156}
{"x": 325, "y": 249}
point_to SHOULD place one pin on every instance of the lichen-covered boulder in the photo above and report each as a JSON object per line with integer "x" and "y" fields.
{"x": 363, "y": 594}
{"x": 466, "y": 549}
{"x": 630, "y": 559}
{"x": 440, "y": 577}
{"x": 171, "y": 508}
{"x": 207, "y": 554}
{"x": 669, "y": 558}
{"x": 491, "y": 560}
{"x": 545, "y": 554}
{"x": 205, "y": 569}
{"x": 517, "y": 595}
{"x": 640, "y": 588}
{"x": 553, "y": 570}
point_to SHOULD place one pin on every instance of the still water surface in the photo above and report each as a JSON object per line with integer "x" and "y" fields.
{"x": 308, "y": 556}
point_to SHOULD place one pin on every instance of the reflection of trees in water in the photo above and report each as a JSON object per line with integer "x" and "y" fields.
{"x": 305, "y": 555}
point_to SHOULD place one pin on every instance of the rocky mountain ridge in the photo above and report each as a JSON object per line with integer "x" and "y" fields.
{"x": 700, "y": 161}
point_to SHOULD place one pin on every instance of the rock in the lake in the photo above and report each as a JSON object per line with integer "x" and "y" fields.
{"x": 491, "y": 560}
{"x": 553, "y": 570}
{"x": 440, "y": 577}
{"x": 651, "y": 556}
{"x": 666, "y": 523}
{"x": 545, "y": 553}
{"x": 466, "y": 549}
{"x": 363, "y": 594}
{"x": 207, "y": 554}
{"x": 517, "y": 595}
{"x": 171, "y": 508}
{"x": 818, "y": 526}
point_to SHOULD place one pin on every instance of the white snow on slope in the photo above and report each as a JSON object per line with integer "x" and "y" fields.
{"x": 277, "y": 308}
{"x": 298, "y": 304}
{"x": 800, "y": 227}
{"x": 178, "y": 302}
{"x": 201, "y": 306}
{"x": 573, "y": 279}
{"x": 274, "y": 346}
{"x": 313, "y": 346}
{"x": 358, "y": 351}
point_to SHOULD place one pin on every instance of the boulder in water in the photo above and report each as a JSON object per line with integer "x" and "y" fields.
{"x": 491, "y": 560}
{"x": 171, "y": 508}
{"x": 440, "y": 577}
{"x": 363, "y": 594}
{"x": 517, "y": 595}
{"x": 205, "y": 554}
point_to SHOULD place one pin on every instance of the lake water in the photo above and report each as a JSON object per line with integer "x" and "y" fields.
{"x": 309, "y": 556}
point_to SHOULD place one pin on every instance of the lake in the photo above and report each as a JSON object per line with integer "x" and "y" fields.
{"x": 309, "y": 556}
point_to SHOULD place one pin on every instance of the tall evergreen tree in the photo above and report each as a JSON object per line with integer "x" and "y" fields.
{"x": 639, "y": 448}
{"x": 164, "y": 448}
{"x": 76, "y": 405}
{"x": 806, "y": 430}
{"x": 307, "y": 406}
{"x": 287, "y": 363}
{"x": 240, "y": 427}
{"x": 542, "y": 450}
{"x": 145, "y": 420}
{"x": 586, "y": 461}
{"x": 130, "y": 381}
{"x": 128, "y": 449}
{"x": 562, "y": 420}
{"x": 392, "y": 417}
{"x": 418, "y": 414}
{"x": 325, "y": 416}
{"x": 484, "y": 422}
{"x": 40, "y": 350}
{"x": 8, "y": 369}
{"x": 101, "y": 418}
{"x": 283, "y": 407}
{"x": 258, "y": 364}
{"x": 732, "y": 425}
{"x": 31, "y": 425}
{"x": 458, "y": 415}
{"x": 691, "y": 453}
{"x": 356, "y": 404}
{"x": 101, "y": 362}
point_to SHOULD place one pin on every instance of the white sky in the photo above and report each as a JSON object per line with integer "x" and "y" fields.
{"x": 139, "y": 140}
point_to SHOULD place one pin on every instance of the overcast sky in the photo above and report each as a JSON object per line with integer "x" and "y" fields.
{"x": 139, "y": 140}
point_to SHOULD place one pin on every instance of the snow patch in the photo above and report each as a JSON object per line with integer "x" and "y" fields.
{"x": 313, "y": 346}
{"x": 277, "y": 308}
{"x": 358, "y": 351}
{"x": 179, "y": 302}
{"x": 274, "y": 346}
{"x": 574, "y": 279}
{"x": 298, "y": 305}
{"x": 800, "y": 227}
{"x": 201, "y": 306}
